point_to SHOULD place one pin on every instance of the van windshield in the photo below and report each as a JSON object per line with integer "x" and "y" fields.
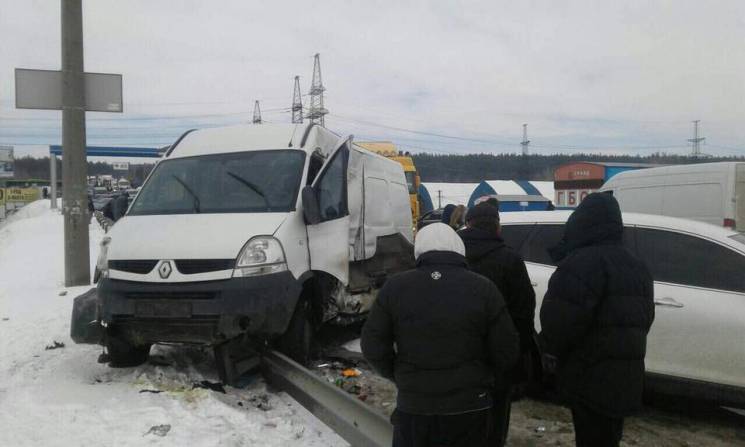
{"x": 241, "y": 182}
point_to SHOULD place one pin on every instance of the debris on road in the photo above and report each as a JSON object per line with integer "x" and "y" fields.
{"x": 207, "y": 385}
{"x": 159, "y": 430}
{"x": 55, "y": 345}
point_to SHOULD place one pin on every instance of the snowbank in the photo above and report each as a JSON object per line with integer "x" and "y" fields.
{"x": 63, "y": 397}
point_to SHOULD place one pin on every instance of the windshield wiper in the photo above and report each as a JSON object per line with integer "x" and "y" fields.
{"x": 249, "y": 184}
{"x": 186, "y": 187}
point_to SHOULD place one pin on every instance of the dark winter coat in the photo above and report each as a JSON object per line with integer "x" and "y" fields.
{"x": 597, "y": 311}
{"x": 488, "y": 255}
{"x": 120, "y": 205}
{"x": 453, "y": 336}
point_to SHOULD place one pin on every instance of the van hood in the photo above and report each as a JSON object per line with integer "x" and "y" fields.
{"x": 188, "y": 236}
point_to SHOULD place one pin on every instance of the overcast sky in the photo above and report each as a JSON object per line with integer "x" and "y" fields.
{"x": 592, "y": 76}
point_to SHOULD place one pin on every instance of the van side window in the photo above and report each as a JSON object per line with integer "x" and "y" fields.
{"x": 515, "y": 235}
{"x": 332, "y": 187}
{"x": 692, "y": 261}
{"x": 545, "y": 237}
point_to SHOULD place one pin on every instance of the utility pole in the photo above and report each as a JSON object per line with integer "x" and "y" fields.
{"x": 317, "y": 112}
{"x": 74, "y": 167}
{"x": 696, "y": 140}
{"x": 257, "y": 113}
{"x": 524, "y": 163}
{"x": 439, "y": 198}
{"x": 297, "y": 103}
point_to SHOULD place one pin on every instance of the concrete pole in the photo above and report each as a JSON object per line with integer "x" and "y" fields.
{"x": 74, "y": 167}
{"x": 53, "y": 180}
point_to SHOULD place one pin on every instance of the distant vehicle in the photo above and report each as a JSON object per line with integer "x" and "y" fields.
{"x": 695, "y": 345}
{"x": 259, "y": 231}
{"x": 707, "y": 192}
{"x": 430, "y": 217}
{"x": 388, "y": 149}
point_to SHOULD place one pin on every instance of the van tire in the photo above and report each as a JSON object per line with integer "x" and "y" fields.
{"x": 298, "y": 340}
{"x": 123, "y": 354}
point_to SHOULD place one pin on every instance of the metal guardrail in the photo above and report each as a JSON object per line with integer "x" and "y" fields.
{"x": 356, "y": 422}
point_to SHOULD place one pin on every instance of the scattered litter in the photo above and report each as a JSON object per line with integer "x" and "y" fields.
{"x": 261, "y": 402}
{"x": 351, "y": 372}
{"x": 324, "y": 365}
{"x": 240, "y": 404}
{"x": 206, "y": 384}
{"x": 63, "y": 293}
{"x": 159, "y": 430}
{"x": 56, "y": 345}
{"x": 540, "y": 429}
{"x": 151, "y": 391}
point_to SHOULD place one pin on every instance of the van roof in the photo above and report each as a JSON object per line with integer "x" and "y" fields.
{"x": 716, "y": 167}
{"x": 252, "y": 137}
{"x": 674, "y": 223}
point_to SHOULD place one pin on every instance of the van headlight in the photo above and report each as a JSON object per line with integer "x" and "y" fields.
{"x": 102, "y": 263}
{"x": 260, "y": 256}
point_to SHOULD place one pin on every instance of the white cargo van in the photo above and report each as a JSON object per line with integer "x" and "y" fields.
{"x": 264, "y": 231}
{"x": 707, "y": 192}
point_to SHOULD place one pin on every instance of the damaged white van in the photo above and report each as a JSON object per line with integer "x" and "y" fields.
{"x": 262, "y": 231}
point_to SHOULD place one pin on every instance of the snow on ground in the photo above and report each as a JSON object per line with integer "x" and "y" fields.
{"x": 63, "y": 397}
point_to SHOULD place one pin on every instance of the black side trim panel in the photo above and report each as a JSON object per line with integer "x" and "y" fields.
{"x": 695, "y": 389}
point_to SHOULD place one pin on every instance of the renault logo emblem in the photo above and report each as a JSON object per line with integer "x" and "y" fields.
{"x": 436, "y": 275}
{"x": 165, "y": 269}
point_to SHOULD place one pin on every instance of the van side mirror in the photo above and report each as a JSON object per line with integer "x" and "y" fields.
{"x": 311, "y": 208}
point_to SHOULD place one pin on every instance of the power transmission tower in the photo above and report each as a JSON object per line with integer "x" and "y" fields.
{"x": 297, "y": 103}
{"x": 525, "y": 141}
{"x": 317, "y": 112}
{"x": 257, "y": 113}
{"x": 696, "y": 140}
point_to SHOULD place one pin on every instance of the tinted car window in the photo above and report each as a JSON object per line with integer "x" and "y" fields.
{"x": 515, "y": 235}
{"x": 545, "y": 237}
{"x": 688, "y": 260}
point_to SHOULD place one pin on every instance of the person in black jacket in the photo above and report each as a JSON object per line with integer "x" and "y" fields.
{"x": 595, "y": 318}
{"x": 488, "y": 255}
{"x": 444, "y": 336}
{"x": 120, "y": 205}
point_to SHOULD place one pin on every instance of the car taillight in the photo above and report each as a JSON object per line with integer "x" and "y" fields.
{"x": 730, "y": 223}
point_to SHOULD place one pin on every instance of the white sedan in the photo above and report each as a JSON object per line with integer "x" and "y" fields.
{"x": 696, "y": 344}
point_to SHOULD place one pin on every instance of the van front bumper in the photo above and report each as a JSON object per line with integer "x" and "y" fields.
{"x": 199, "y": 312}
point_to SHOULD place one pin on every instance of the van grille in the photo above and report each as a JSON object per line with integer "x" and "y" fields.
{"x": 184, "y": 295}
{"x": 133, "y": 266}
{"x": 192, "y": 266}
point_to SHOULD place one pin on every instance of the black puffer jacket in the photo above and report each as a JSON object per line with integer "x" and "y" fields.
{"x": 597, "y": 311}
{"x": 452, "y": 333}
{"x": 488, "y": 255}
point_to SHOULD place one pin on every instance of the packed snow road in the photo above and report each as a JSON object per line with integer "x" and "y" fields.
{"x": 54, "y": 393}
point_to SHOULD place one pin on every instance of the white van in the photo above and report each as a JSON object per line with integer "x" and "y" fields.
{"x": 255, "y": 230}
{"x": 707, "y": 192}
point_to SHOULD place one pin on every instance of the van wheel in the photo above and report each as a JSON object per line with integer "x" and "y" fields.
{"x": 123, "y": 354}
{"x": 297, "y": 341}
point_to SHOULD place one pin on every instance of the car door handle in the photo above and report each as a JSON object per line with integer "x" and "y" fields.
{"x": 667, "y": 302}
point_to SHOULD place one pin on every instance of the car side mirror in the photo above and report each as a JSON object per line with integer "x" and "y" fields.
{"x": 311, "y": 207}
